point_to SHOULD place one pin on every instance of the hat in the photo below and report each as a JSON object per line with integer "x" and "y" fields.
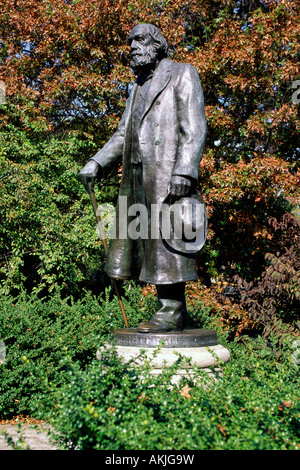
{"x": 183, "y": 224}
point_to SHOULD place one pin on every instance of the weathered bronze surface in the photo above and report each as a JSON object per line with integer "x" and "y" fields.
{"x": 182, "y": 339}
{"x": 160, "y": 141}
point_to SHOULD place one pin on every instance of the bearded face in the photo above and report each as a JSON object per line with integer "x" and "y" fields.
{"x": 143, "y": 58}
{"x": 142, "y": 50}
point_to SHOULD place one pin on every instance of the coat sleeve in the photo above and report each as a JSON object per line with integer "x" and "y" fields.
{"x": 112, "y": 151}
{"x": 192, "y": 124}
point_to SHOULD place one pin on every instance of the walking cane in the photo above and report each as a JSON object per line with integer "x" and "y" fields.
{"x": 102, "y": 235}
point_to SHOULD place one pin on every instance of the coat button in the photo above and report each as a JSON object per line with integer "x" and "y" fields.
{"x": 157, "y": 142}
{"x": 157, "y": 103}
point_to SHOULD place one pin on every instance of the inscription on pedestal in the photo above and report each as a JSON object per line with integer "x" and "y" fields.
{"x": 182, "y": 339}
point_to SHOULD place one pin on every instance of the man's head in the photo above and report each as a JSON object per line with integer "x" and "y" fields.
{"x": 147, "y": 46}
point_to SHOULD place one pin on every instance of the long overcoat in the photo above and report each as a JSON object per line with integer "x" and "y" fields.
{"x": 171, "y": 140}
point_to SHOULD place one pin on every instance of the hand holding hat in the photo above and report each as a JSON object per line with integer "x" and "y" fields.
{"x": 179, "y": 186}
{"x": 183, "y": 220}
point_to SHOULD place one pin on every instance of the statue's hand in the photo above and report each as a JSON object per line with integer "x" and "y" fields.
{"x": 179, "y": 187}
{"x": 89, "y": 174}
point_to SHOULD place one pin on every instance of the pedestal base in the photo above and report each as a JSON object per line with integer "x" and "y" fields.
{"x": 201, "y": 347}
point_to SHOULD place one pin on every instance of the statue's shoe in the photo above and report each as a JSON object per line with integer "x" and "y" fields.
{"x": 153, "y": 326}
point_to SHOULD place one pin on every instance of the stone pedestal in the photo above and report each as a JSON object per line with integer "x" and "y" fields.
{"x": 200, "y": 346}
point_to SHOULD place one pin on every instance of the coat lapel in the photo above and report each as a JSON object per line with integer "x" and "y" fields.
{"x": 127, "y": 138}
{"x": 159, "y": 81}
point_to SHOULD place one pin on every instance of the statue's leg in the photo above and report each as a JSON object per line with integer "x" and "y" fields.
{"x": 172, "y": 314}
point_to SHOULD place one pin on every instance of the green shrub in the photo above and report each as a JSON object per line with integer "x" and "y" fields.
{"x": 50, "y": 372}
{"x": 48, "y": 233}
{"x": 37, "y": 333}
{"x": 273, "y": 300}
{"x": 115, "y": 406}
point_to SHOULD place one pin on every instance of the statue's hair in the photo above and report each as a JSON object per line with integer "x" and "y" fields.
{"x": 161, "y": 45}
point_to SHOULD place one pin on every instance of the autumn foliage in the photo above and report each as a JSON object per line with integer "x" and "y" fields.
{"x": 65, "y": 65}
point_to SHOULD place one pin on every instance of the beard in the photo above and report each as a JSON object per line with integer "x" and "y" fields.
{"x": 143, "y": 60}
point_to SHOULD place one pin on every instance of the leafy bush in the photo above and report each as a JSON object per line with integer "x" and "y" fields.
{"x": 210, "y": 308}
{"x": 37, "y": 333}
{"x": 270, "y": 303}
{"x": 51, "y": 373}
{"x": 48, "y": 232}
{"x": 116, "y": 406}
{"x": 273, "y": 300}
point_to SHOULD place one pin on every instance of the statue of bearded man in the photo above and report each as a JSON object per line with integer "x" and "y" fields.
{"x": 160, "y": 140}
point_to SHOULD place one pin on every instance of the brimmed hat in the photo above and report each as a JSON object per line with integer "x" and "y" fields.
{"x": 183, "y": 224}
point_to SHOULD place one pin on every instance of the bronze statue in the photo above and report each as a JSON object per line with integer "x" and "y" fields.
{"x": 160, "y": 140}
